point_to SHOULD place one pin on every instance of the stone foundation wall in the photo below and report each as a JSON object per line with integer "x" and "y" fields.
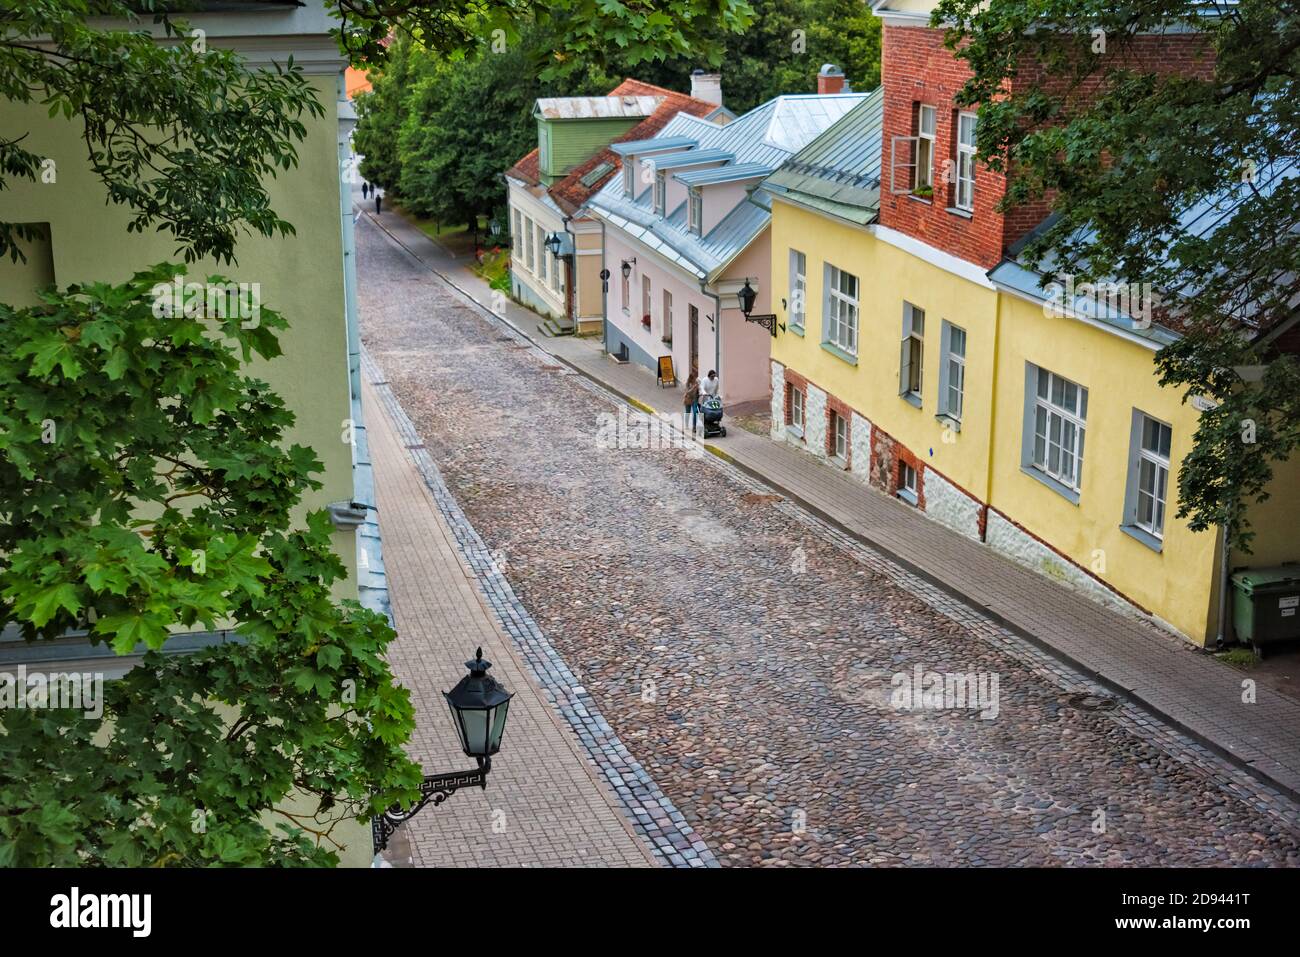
{"x": 1008, "y": 538}
{"x": 950, "y": 506}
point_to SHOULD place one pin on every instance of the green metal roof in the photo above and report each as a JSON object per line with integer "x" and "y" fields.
{"x": 839, "y": 171}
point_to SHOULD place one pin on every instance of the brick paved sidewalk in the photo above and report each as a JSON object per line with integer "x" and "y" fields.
{"x": 544, "y": 805}
{"x": 1200, "y": 696}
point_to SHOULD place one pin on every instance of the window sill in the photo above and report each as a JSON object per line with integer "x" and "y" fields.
{"x": 796, "y": 431}
{"x": 797, "y": 330}
{"x": 949, "y": 421}
{"x": 1060, "y": 488}
{"x": 839, "y": 353}
{"x": 911, "y": 398}
{"x": 963, "y": 213}
{"x": 907, "y": 496}
{"x": 838, "y": 461}
{"x": 1156, "y": 545}
{"x": 928, "y": 200}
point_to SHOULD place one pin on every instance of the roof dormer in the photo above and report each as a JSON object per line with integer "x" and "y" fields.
{"x": 572, "y": 129}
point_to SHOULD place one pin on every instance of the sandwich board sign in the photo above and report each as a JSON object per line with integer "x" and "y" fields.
{"x": 666, "y": 376}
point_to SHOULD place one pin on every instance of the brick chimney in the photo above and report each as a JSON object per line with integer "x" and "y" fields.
{"x": 830, "y": 79}
{"x": 706, "y": 87}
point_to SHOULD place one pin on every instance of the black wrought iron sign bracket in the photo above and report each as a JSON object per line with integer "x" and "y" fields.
{"x": 434, "y": 789}
{"x": 768, "y": 322}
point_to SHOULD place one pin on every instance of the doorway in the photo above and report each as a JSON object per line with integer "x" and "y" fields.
{"x": 694, "y": 337}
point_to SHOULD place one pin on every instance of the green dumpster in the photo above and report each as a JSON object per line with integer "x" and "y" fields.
{"x": 1266, "y": 604}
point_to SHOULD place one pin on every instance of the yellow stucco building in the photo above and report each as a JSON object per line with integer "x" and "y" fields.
{"x": 924, "y": 359}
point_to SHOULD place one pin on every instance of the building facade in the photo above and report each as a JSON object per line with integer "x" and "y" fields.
{"x": 547, "y": 188}
{"x": 924, "y": 358}
{"x": 309, "y": 277}
{"x": 686, "y": 227}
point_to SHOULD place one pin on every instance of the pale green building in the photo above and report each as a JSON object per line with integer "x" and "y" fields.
{"x": 309, "y": 277}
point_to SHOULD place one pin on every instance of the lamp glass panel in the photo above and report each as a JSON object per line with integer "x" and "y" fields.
{"x": 475, "y": 723}
{"x": 498, "y": 726}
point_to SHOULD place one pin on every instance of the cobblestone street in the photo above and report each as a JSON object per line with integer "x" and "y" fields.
{"x": 745, "y": 654}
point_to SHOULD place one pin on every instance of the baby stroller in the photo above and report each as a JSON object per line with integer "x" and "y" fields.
{"x": 711, "y": 407}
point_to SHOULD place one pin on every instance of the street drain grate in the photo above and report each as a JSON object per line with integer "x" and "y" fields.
{"x": 1087, "y": 701}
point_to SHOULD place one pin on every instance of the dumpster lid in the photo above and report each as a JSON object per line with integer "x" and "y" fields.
{"x": 1252, "y": 578}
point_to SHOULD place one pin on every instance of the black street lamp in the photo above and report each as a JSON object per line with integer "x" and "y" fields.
{"x": 627, "y": 267}
{"x": 747, "y": 295}
{"x": 479, "y": 706}
{"x": 553, "y": 242}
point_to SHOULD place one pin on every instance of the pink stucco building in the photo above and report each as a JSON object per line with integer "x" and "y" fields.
{"x": 686, "y": 225}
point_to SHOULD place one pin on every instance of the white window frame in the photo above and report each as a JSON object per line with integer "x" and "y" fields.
{"x": 528, "y": 244}
{"x": 798, "y": 311}
{"x": 629, "y": 177}
{"x": 1056, "y": 426}
{"x": 695, "y": 211}
{"x": 542, "y": 253}
{"x": 911, "y": 386}
{"x": 1156, "y": 463}
{"x": 841, "y": 310}
{"x": 666, "y": 333}
{"x": 647, "y": 301}
{"x": 952, "y": 371}
{"x": 964, "y": 189}
{"x": 839, "y": 432}
{"x": 924, "y": 173}
{"x": 660, "y": 193}
{"x": 797, "y": 400}
{"x": 908, "y": 482}
{"x": 518, "y": 236}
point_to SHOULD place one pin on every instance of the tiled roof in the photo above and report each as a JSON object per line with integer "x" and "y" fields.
{"x": 574, "y": 189}
{"x": 761, "y": 140}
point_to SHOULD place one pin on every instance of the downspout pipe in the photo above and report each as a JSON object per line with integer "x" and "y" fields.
{"x": 605, "y": 295}
{"x": 717, "y": 326}
{"x": 1224, "y": 572}
{"x": 571, "y": 287}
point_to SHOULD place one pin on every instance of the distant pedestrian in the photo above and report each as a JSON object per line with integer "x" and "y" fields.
{"x": 378, "y": 202}
{"x": 365, "y": 190}
{"x": 711, "y": 383}
{"x": 691, "y": 402}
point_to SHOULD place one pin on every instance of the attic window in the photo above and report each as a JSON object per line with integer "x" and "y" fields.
{"x": 593, "y": 176}
{"x": 695, "y": 211}
{"x": 661, "y": 192}
{"x": 628, "y": 178}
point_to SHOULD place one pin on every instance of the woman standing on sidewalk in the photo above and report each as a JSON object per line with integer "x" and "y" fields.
{"x": 692, "y": 401}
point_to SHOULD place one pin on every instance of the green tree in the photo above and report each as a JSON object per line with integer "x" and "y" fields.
{"x": 414, "y": 130}
{"x": 145, "y": 482}
{"x": 440, "y": 177}
{"x": 147, "y": 486}
{"x": 217, "y": 130}
{"x": 1125, "y": 162}
{"x": 380, "y": 112}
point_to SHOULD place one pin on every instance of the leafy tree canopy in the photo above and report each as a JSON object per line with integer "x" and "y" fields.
{"x": 145, "y": 486}
{"x": 1125, "y": 142}
{"x": 446, "y": 161}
